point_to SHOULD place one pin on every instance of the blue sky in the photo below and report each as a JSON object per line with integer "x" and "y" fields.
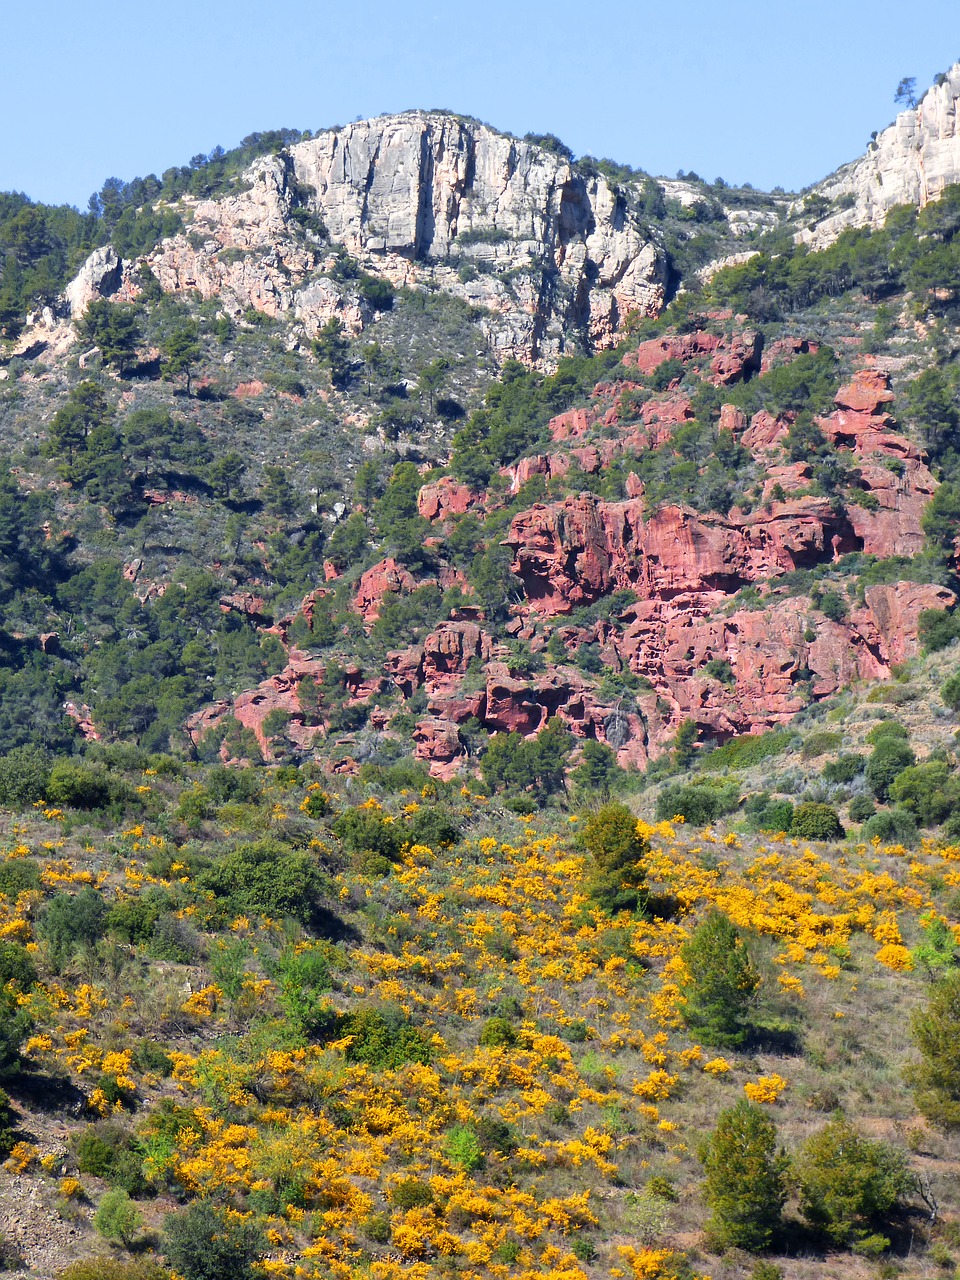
{"x": 754, "y": 92}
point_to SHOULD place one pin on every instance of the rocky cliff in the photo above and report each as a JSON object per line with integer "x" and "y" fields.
{"x": 424, "y": 199}
{"x": 910, "y": 162}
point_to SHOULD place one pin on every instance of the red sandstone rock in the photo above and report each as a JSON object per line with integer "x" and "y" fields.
{"x": 783, "y": 350}
{"x": 444, "y": 499}
{"x": 387, "y": 577}
{"x": 438, "y": 742}
{"x": 891, "y": 617}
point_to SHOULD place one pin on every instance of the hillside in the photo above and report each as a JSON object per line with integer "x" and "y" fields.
{"x": 448, "y": 584}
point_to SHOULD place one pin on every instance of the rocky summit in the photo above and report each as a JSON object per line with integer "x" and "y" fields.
{"x": 479, "y": 706}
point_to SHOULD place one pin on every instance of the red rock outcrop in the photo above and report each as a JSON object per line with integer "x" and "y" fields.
{"x": 385, "y": 578}
{"x": 445, "y": 498}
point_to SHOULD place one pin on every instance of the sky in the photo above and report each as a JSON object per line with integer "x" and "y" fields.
{"x": 776, "y": 95}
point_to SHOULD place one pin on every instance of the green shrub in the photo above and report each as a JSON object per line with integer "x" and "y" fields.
{"x": 531, "y": 768}
{"x": 937, "y": 629}
{"x": 722, "y": 982}
{"x": 861, "y": 808}
{"x": 410, "y": 1193}
{"x": 747, "y": 750}
{"x": 618, "y": 879}
{"x": 775, "y": 815}
{"x": 203, "y": 1243}
{"x": 24, "y": 774}
{"x": 891, "y": 826}
{"x": 71, "y": 921}
{"x": 699, "y": 805}
{"x": 18, "y": 875}
{"x": 819, "y": 743}
{"x": 363, "y": 830}
{"x": 16, "y": 966}
{"x": 383, "y": 1041}
{"x": 889, "y": 758}
{"x": 117, "y": 1218}
{"x": 76, "y": 786}
{"x": 936, "y": 1076}
{"x": 498, "y": 1031}
{"x": 462, "y": 1148}
{"x": 848, "y": 1184}
{"x": 107, "y": 1150}
{"x": 266, "y": 878}
{"x": 816, "y": 822}
{"x": 929, "y": 791}
{"x": 432, "y": 826}
{"x": 950, "y": 691}
{"x": 745, "y": 1184}
{"x": 843, "y": 769}
{"x": 887, "y": 729}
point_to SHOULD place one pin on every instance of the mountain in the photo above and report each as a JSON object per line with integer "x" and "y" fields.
{"x": 479, "y": 704}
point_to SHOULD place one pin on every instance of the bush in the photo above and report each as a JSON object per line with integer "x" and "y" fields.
{"x": 816, "y": 822}
{"x": 889, "y": 758}
{"x": 745, "y": 1184}
{"x": 24, "y": 774}
{"x": 861, "y": 808}
{"x": 698, "y": 805}
{"x": 107, "y": 1150}
{"x": 950, "y": 691}
{"x": 887, "y": 729}
{"x": 75, "y": 786}
{"x": 819, "y": 743}
{"x": 617, "y": 850}
{"x": 936, "y": 1077}
{"x": 929, "y": 791}
{"x": 843, "y": 769}
{"x": 498, "y": 1031}
{"x": 775, "y": 815}
{"x": 71, "y": 921}
{"x": 937, "y": 629}
{"x": 367, "y": 830}
{"x": 202, "y": 1243}
{"x": 16, "y": 966}
{"x": 385, "y": 1042}
{"x": 747, "y": 750}
{"x": 266, "y": 878}
{"x": 410, "y": 1193}
{"x": 462, "y": 1148}
{"x": 722, "y": 983}
{"x": 891, "y": 826}
{"x": 533, "y": 768}
{"x": 117, "y": 1218}
{"x": 848, "y": 1184}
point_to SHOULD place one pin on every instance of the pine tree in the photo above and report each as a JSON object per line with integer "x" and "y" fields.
{"x": 721, "y": 985}
{"x": 745, "y": 1183}
{"x": 936, "y": 1077}
{"x": 181, "y": 351}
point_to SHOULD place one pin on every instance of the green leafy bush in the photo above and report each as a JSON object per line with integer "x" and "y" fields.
{"x": 24, "y": 775}
{"x": 929, "y": 791}
{"x": 816, "y": 822}
{"x": 266, "y": 878}
{"x": 699, "y": 805}
{"x": 887, "y": 730}
{"x": 498, "y": 1031}
{"x": 937, "y": 628}
{"x": 848, "y": 1184}
{"x": 618, "y": 879}
{"x": 117, "y": 1218}
{"x": 891, "y": 826}
{"x": 71, "y": 921}
{"x": 203, "y": 1243}
{"x": 889, "y": 758}
{"x": 384, "y": 1041}
{"x": 747, "y": 750}
{"x": 76, "y": 786}
{"x": 844, "y": 769}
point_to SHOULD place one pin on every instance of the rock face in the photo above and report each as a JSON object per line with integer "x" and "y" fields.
{"x": 418, "y": 197}
{"x": 910, "y": 162}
